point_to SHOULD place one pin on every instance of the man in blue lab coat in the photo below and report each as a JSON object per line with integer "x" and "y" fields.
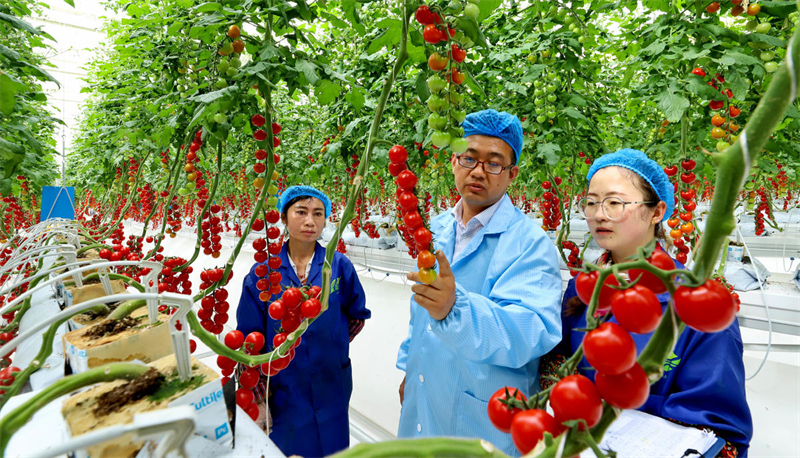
{"x": 494, "y": 308}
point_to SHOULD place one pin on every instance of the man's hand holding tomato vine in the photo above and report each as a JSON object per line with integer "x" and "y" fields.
{"x": 439, "y": 296}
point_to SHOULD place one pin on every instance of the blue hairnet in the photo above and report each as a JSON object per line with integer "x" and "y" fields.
{"x": 636, "y": 161}
{"x": 493, "y": 123}
{"x": 306, "y": 191}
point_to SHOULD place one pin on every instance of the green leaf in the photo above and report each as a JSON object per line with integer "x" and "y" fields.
{"x": 472, "y": 84}
{"x": 778, "y": 9}
{"x": 356, "y": 98}
{"x": 792, "y": 112}
{"x": 421, "y": 85}
{"x": 18, "y": 23}
{"x": 487, "y": 7}
{"x": 416, "y": 54}
{"x": 389, "y": 37}
{"x": 206, "y": 7}
{"x": 737, "y": 84}
{"x": 416, "y": 38}
{"x": 470, "y": 27}
{"x": 655, "y": 47}
{"x": 8, "y": 89}
{"x": 575, "y": 114}
{"x": 700, "y": 88}
{"x": 548, "y": 152}
{"x": 70, "y": 3}
{"x": 338, "y": 23}
{"x": 743, "y": 59}
{"x": 212, "y": 96}
{"x": 768, "y": 39}
{"x": 672, "y": 105}
{"x": 576, "y": 99}
{"x": 308, "y": 69}
{"x": 516, "y": 87}
{"x": 351, "y": 14}
{"x": 9, "y": 53}
{"x": 694, "y": 53}
{"x": 327, "y": 91}
{"x": 175, "y": 28}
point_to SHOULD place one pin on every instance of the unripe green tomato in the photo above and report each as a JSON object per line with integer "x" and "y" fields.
{"x": 751, "y": 25}
{"x": 538, "y": 83}
{"x": 220, "y": 118}
{"x": 538, "y": 102}
{"x": 221, "y": 84}
{"x": 184, "y": 95}
{"x": 551, "y": 114}
{"x": 232, "y": 72}
{"x": 563, "y": 12}
{"x": 459, "y": 145}
{"x": 763, "y": 27}
{"x": 272, "y": 201}
{"x": 569, "y": 20}
{"x": 722, "y": 145}
{"x": 553, "y": 76}
{"x": 190, "y": 186}
{"x": 551, "y": 98}
{"x": 734, "y": 138}
{"x": 440, "y": 138}
{"x": 458, "y": 115}
{"x": 553, "y": 10}
{"x": 551, "y": 88}
{"x": 226, "y": 49}
{"x": 767, "y": 56}
{"x": 581, "y": 39}
{"x": 235, "y": 62}
{"x": 474, "y": 1}
{"x": 437, "y": 121}
{"x": 223, "y": 66}
{"x": 436, "y": 83}
{"x": 454, "y": 7}
{"x": 436, "y": 103}
{"x": 532, "y": 58}
{"x": 541, "y": 118}
{"x": 182, "y": 191}
{"x": 771, "y": 66}
{"x": 538, "y": 92}
{"x": 472, "y": 10}
{"x": 457, "y": 97}
{"x": 272, "y": 190}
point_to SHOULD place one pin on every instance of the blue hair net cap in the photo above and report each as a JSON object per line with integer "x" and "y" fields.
{"x": 493, "y": 123}
{"x": 304, "y": 191}
{"x": 638, "y": 162}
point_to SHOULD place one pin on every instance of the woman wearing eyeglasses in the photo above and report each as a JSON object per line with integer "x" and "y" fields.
{"x": 629, "y": 196}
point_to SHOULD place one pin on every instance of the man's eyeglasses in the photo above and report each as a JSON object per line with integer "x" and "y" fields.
{"x": 613, "y": 207}
{"x": 489, "y": 167}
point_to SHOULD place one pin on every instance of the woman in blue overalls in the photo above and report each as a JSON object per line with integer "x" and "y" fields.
{"x": 309, "y": 399}
{"x": 703, "y": 382}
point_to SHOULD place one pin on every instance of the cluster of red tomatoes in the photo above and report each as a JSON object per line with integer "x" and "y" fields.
{"x": 269, "y": 279}
{"x": 723, "y": 129}
{"x": 620, "y": 381}
{"x": 551, "y": 208}
{"x": 294, "y": 305}
{"x": 413, "y": 228}
{"x": 213, "y": 313}
{"x": 737, "y": 10}
{"x": 573, "y": 261}
{"x": 681, "y": 222}
{"x": 211, "y": 227}
{"x": 173, "y": 218}
{"x": 7, "y": 377}
{"x": 249, "y": 377}
{"x": 261, "y": 154}
{"x": 763, "y": 210}
{"x": 15, "y": 218}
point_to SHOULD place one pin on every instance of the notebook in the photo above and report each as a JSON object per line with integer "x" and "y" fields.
{"x": 637, "y": 434}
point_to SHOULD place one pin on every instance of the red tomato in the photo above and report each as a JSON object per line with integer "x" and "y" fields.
{"x": 699, "y": 72}
{"x": 225, "y": 363}
{"x": 398, "y": 154}
{"x": 628, "y": 390}
{"x": 254, "y": 342}
{"x": 425, "y": 16}
{"x": 637, "y": 309}
{"x": 423, "y": 236}
{"x": 609, "y": 348}
{"x": 290, "y": 323}
{"x": 658, "y": 259}
{"x": 406, "y": 180}
{"x": 432, "y": 35}
{"x": 413, "y": 220}
{"x": 458, "y": 54}
{"x": 499, "y": 414}
{"x": 437, "y": 63}
{"x": 314, "y": 291}
{"x": 279, "y": 339}
{"x": 407, "y": 201}
{"x": 584, "y": 284}
{"x": 425, "y": 259}
{"x": 244, "y": 398}
{"x": 397, "y": 169}
{"x": 671, "y": 171}
{"x": 707, "y": 308}
{"x": 291, "y": 298}
{"x": 574, "y": 398}
{"x": 311, "y": 308}
{"x": 234, "y": 339}
{"x": 252, "y": 411}
{"x": 249, "y": 378}
{"x": 529, "y": 426}
{"x": 276, "y": 310}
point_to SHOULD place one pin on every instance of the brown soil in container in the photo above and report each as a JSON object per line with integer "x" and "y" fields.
{"x": 132, "y": 391}
{"x": 91, "y": 315}
{"x": 111, "y": 327}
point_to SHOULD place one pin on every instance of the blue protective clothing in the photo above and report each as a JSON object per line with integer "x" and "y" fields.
{"x": 703, "y": 382}
{"x": 506, "y": 315}
{"x": 310, "y": 399}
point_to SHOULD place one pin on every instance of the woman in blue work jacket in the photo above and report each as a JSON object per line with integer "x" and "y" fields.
{"x": 309, "y": 399}
{"x": 703, "y": 382}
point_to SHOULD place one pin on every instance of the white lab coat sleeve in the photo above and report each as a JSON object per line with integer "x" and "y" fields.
{"x": 519, "y": 321}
